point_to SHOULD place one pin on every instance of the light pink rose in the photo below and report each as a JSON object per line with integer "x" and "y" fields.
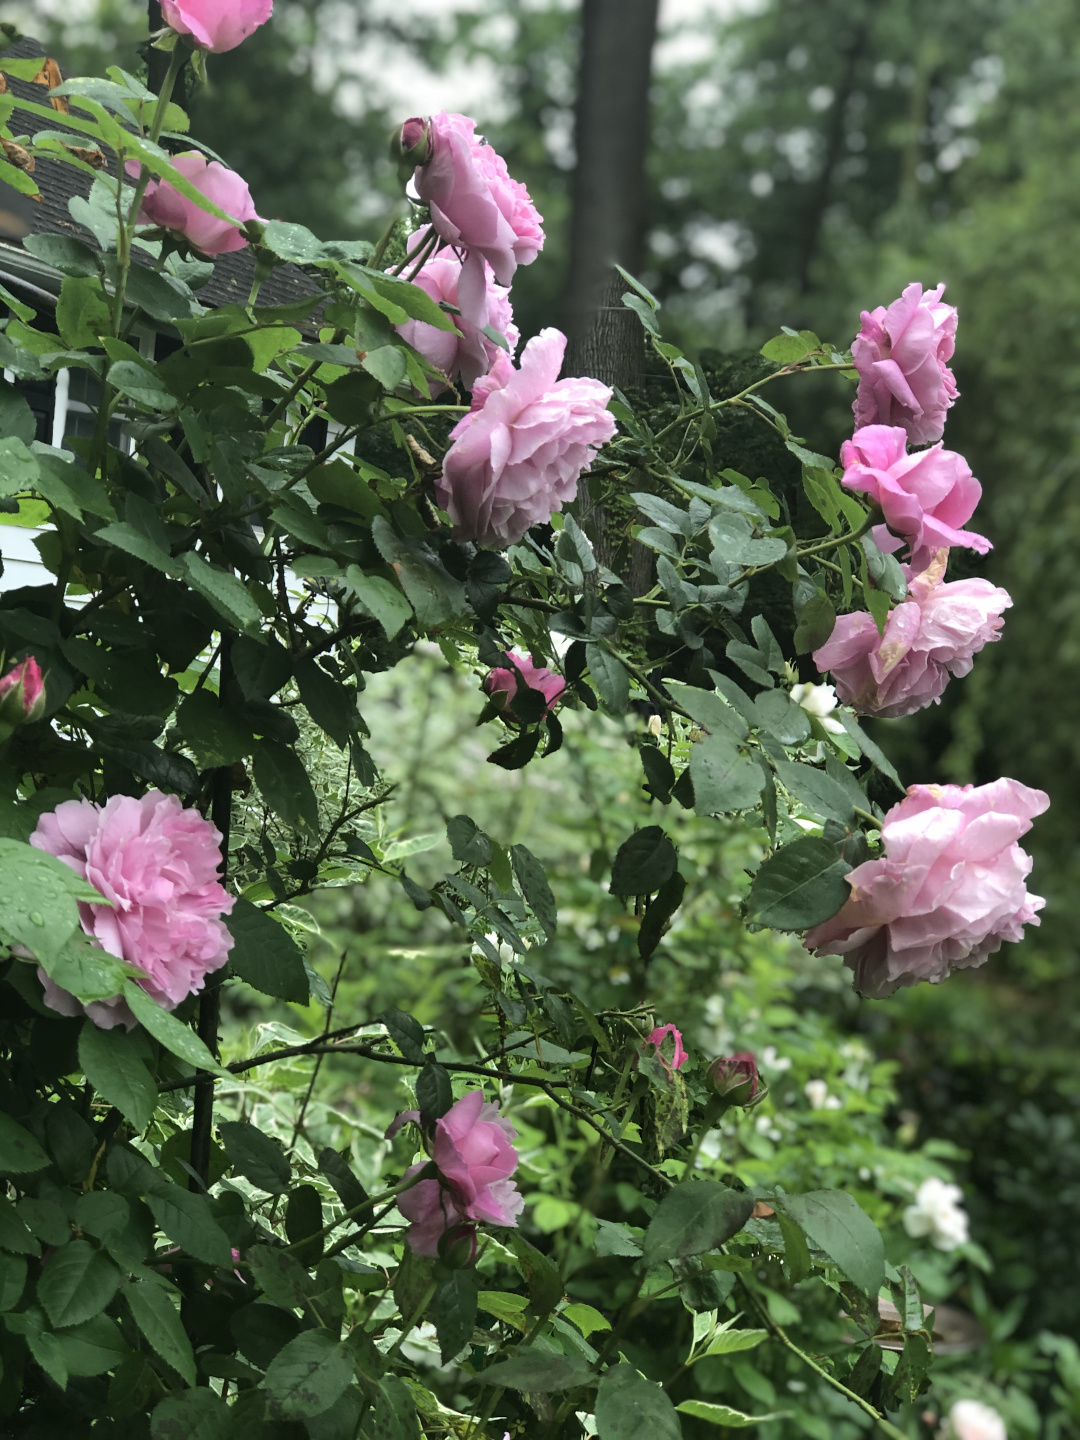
{"x": 901, "y": 355}
{"x": 657, "y": 1037}
{"x": 529, "y": 674}
{"x": 925, "y": 497}
{"x": 948, "y": 890}
{"x": 517, "y": 457}
{"x": 158, "y": 863}
{"x": 475, "y": 1159}
{"x": 216, "y": 25}
{"x": 933, "y": 635}
{"x": 466, "y": 352}
{"x": 164, "y": 205}
{"x": 22, "y": 696}
{"x": 475, "y": 206}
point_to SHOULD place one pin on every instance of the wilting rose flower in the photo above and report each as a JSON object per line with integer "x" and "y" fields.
{"x": 467, "y": 351}
{"x": 678, "y": 1054}
{"x": 164, "y": 205}
{"x": 735, "y": 1077}
{"x": 925, "y": 497}
{"x": 819, "y": 701}
{"x": 901, "y": 355}
{"x": 475, "y": 206}
{"x": 517, "y": 457}
{"x": 933, "y": 635}
{"x": 525, "y": 672}
{"x": 158, "y": 863}
{"x": 948, "y": 890}
{"x": 216, "y": 25}
{"x": 972, "y": 1420}
{"x": 937, "y": 1214}
{"x": 472, "y": 1151}
{"x": 22, "y": 696}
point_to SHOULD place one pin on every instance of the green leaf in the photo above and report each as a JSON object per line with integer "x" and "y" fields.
{"x": 76, "y": 1284}
{"x": 453, "y": 1313}
{"x": 257, "y": 1156}
{"x": 795, "y": 1252}
{"x": 153, "y": 1311}
{"x": 402, "y": 294}
{"x": 14, "y": 1232}
{"x": 188, "y": 1221}
{"x": 707, "y": 708}
{"x": 535, "y": 888}
{"x": 20, "y": 1153}
{"x": 833, "y": 1221}
{"x": 225, "y": 592}
{"x": 660, "y": 909}
{"x": 696, "y": 1216}
{"x": 125, "y": 537}
{"x": 142, "y": 385}
{"x": 824, "y": 795}
{"x": 393, "y": 1416}
{"x": 434, "y": 1091}
{"x": 382, "y": 600}
{"x": 611, "y": 679}
{"x": 468, "y": 843}
{"x": 177, "y": 1038}
{"x": 786, "y": 349}
{"x": 38, "y": 898}
{"x": 869, "y": 747}
{"x": 775, "y": 711}
{"x": 629, "y": 1407}
{"x": 643, "y": 863}
{"x": 13, "y": 1270}
{"x": 330, "y": 704}
{"x": 406, "y": 1033}
{"x": 18, "y": 466}
{"x": 285, "y": 786}
{"x": 387, "y": 364}
{"x": 214, "y": 732}
{"x": 93, "y": 1347}
{"x": 63, "y": 253}
{"x": 539, "y": 1271}
{"x": 435, "y": 595}
{"x": 729, "y": 1342}
{"x": 586, "y": 1318}
{"x": 283, "y": 1280}
{"x": 800, "y": 885}
{"x": 112, "y": 1062}
{"x": 817, "y": 620}
{"x": 724, "y": 779}
{"x": 265, "y": 955}
{"x": 82, "y": 313}
{"x": 724, "y": 1415}
{"x": 538, "y": 1372}
{"x": 191, "y": 1415}
{"x": 309, "y": 1374}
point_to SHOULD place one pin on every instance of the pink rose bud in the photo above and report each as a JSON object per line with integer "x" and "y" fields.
{"x": 901, "y": 355}
{"x": 476, "y": 207}
{"x": 528, "y": 674}
{"x": 158, "y": 863}
{"x": 735, "y": 1077}
{"x": 414, "y": 141}
{"x": 949, "y": 888}
{"x": 216, "y": 25}
{"x": 457, "y": 1247}
{"x": 925, "y": 497}
{"x": 932, "y": 636}
{"x": 516, "y": 458}
{"x": 472, "y": 1151}
{"x": 22, "y": 696}
{"x": 667, "y": 1041}
{"x": 467, "y": 352}
{"x": 164, "y": 205}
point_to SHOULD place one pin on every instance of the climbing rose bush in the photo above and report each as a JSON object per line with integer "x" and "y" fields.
{"x": 163, "y": 205}
{"x": 949, "y": 888}
{"x": 216, "y": 25}
{"x": 932, "y": 636}
{"x": 157, "y": 862}
{"x": 516, "y": 458}
{"x": 902, "y": 354}
{"x": 525, "y": 672}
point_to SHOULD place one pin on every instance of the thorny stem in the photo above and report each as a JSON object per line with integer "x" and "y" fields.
{"x": 364, "y": 1205}
{"x": 738, "y": 399}
{"x": 834, "y": 542}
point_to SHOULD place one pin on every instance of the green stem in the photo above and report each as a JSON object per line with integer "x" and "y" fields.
{"x": 741, "y": 396}
{"x": 866, "y": 815}
{"x": 834, "y": 542}
{"x": 384, "y": 239}
{"x": 367, "y": 1204}
{"x": 408, "y": 1324}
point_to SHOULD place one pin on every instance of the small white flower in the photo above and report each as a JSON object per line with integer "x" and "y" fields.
{"x": 972, "y": 1420}
{"x": 817, "y": 1092}
{"x": 770, "y": 1060}
{"x": 819, "y": 701}
{"x": 764, "y": 1126}
{"x": 937, "y": 1214}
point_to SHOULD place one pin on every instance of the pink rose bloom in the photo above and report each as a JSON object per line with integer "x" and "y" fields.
{"x": 475, "y": 1159}
{"x": 164, "y": 205}
{"x": 466, "y": 352}
{"x": 475, "y": 206}
{"x": 525, "y": 672}
{"x": 925, "y": 497}
{"x": 657, "y": 1037}
{"x": 934, "y": 635}
{"x": 158, "y": 863}
{"x": 216, "y": 25}
{"x": 517, "y": 456}
{"x": 22, "y": 696}
{"x": 901, "y": 355}
{"x": 948, "y": 890}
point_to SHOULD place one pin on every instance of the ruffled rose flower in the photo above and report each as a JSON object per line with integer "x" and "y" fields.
{"x": 158, "y": 863}
{"x": 735, "y": 1077}
{"x": 475, "y": 206}
{"x": 925, "y": 497}
{"x": 934, "y": 635}
{"x": 948, "y": 890}
{"x": 473, "y": 1153}
{"x": 466, "y": 352}
{"x": 525, "y": 673}
{"x": 164, "y": 205}
{"x": 517, "y": 457}
{"x": 901, "y": 355}
{"x": 972, "y": 1420}
{"x": 216, "y": 25}
{"x": 657, "y": 1038}
{"x": 937, "y": 1214}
